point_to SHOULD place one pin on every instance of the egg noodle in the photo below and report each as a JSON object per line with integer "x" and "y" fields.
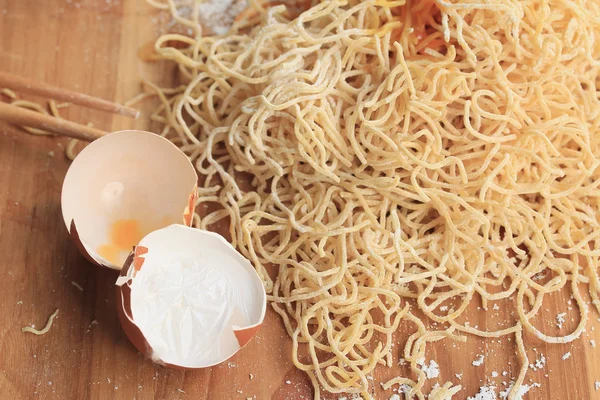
{"x": 397, "y": 161}
{"x": 46, "y": 327}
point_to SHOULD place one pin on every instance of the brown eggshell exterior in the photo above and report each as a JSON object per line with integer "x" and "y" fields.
{"x": 138, "y": 261}
{"x": 134, "y": 334}
{"x": 188, "y": 214}
{"x": 243, "y": 336}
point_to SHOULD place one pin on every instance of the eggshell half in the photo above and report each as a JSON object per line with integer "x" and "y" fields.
{"x": 123, "y": 186}
{"x": 187, "y": 299}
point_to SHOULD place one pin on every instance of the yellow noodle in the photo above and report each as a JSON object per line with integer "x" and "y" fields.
{"x": 54, "y": 109}
{"x": 137, "y": 99}
{"x": 387, "y": 154}
{"x": 70, "y": 149}
{"x": 34, "y": 107}
{"x": 45, "y": 329}
{"x": 8, "y": 93}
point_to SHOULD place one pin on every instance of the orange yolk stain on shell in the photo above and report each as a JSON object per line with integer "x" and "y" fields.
{"x": 123, "y": 235}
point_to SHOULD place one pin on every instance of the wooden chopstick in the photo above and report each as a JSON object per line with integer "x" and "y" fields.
{"x": 24, "y": 117}
{"x": 25, "y": 85}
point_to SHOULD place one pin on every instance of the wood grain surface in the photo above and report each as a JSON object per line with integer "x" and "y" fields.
{"x": 92, "y": 46}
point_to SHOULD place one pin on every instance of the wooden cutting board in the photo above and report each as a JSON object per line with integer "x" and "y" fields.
{"x": 92, "y": 46}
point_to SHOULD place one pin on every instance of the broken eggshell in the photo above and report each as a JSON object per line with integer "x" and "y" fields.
{"x": 187, "y": 299}
{"x": 123, "y": 186}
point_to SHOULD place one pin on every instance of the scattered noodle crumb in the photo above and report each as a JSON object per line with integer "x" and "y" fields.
{"x": 46, "y": 328}
{"x": 8, "y": 93}
{"x": 70, "y": 149}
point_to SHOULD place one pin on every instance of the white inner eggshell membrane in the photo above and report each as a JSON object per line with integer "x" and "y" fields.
{"x": 126, "y": 175}
{"x": 192, "y": 289}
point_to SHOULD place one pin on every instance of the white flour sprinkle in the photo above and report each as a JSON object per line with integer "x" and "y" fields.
{"x": 566, "y": 356}
{"x": 405, "y": 389}
{"x": 539, "y": 363}
{"x": 218, "y": 15}
{"x": 431, "y": 371}
{"x": 560, "y": 320}
{"x": 485, "y": 393}
{"x": 479, "y": 360}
